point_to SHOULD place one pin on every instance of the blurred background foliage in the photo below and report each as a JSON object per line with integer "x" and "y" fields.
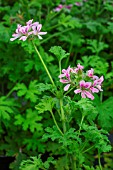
{"x": 86, "y": 32}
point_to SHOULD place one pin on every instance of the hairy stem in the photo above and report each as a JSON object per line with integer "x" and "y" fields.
{"x": 100, "y": 166}
{"x": 45, "y": 67}
{"x": 56, "y": 123}
{"x": 60, "y": 66}
{"x": 62, "y": 115}
{"x": 80, "y": 125}
{"x": 88, "y": 149}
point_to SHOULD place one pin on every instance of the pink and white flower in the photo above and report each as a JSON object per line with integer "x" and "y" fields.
{"x": 90, "y": 73}
{"x": 65, "y": 78}
{"x": 86, "y": 83}
{"x": 23, "y": 32}
{"x": 37, "y": 30}
{"x": 79, "y": 68}
{"x": 84, "y": 90}
{"x": 58, "y": 8}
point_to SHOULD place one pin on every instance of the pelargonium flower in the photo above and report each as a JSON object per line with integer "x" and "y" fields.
{"x": 85, "y": 83}
{"x": 65, "y": 78}
{"x": 58, "y": 8}
{"x": 36, "y": 30}
{"x": 79, "y": 68}
{"x": 23, "y": 32}
{"x": 84, "y": 90}
{"x": 97, "y": 85}
{"x": 78, "y": 3}
{"x": 90, "y": 73}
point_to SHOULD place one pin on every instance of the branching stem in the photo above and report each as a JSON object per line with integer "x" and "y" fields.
{"x": 45, "y": 67}
{"x": 56, "y": 123}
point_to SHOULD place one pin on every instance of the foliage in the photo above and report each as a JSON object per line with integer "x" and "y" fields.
{"x": 40, "y": 120}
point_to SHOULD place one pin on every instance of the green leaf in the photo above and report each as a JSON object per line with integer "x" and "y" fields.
{"x": 105, "y": 117}
{"x": 97, "y": 137}
{"x": 29, "y": 65}
{"x": 58, "y": 52}
{"x": 30, "y": 121}
{"x": 6, "y": 107}
{"x": 46, "y": 104}
{"x": 30, "y": 93}
{"x": 22, "y": 89}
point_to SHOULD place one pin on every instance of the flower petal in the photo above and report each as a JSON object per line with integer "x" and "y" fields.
{"x": 40, "y": 37}
{"x": 89, "y": 95}
{"x": 77, "y": 91}
{"x": 67, "y": 87}
{"x": 23, "y": 38}
{"x": 42, "y": 33}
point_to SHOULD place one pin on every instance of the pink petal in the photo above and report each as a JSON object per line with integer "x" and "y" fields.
{"x": 23, "y": 38}
{"x": 40, "y": 37}
{"x": 90, "y": 73}
{"x": 100, "y": 80}
{"x": 83, "y": 94}
{"x": 42, "y": 33}
{"x": 64, "y": 81}
{"x": 12, "y": 39}
{"x": 80, "y": 67}
{"x": 39, "y": 27}
{"x": 94, "y": 90}
{"x": 29, "y": 22}
{"x": 35, "y": 24}
{"x": 67, "y": 87}
{"x": 99, "y": 87}
{"x": 61, "y": 75}
{"x": 89, "y": 95}
{"x": 87, "y": 85}
{"x": 77, "y": 91}
{"x": 82, "y": 83}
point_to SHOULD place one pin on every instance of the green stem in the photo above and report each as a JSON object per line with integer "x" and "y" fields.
{"x": 60, "y": 66}
{"x": 73, "y": 163}
{"x": 81, "y": 125}
{"x": 54, "y": 35}
{"x": 100, "y": 166}
{"x": 101, "y": 97}
{"x": 67, "y": 60}
{"x": 88, "y": 149}
{"x": 9, "y": 93}
{"x": 62, "y": 115}
{"x": 44, "y": 65}
{"x": 56, "y": 124}
{"x": 54, "y": 26}
{"x": 68, "y": 91}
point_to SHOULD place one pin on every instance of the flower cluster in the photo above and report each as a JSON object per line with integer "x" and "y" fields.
{"x": 60, "y": 6}
{"x": 85, "y": 83}
{"x": 23, "y": 32}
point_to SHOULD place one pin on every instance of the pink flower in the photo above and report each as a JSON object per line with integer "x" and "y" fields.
{"x": 98, "y": 81}
{"x": 78, "y": 3}
{"x": 84, "y": 90}
{"x": 17, "y": 34}
{"x": 90, "y": 73}
{"x": 69, "y": 6}
{"x": 36, "y": 30}
{"x": 66, "y": 73}
{"x": 23, "y": 32}
{"x": 96, "y": 87}
{"x": 29, "y": 22}
{"x": 79, "y": 67}
{"x": 65, "y": 78}
{"x": 58, "y": 8}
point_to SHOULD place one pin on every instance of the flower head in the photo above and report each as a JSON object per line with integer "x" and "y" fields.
{"x": 23, "y": 32}
{"x": 85, "y": 83}
{"x": 36, "y": 30}
{"x": 84, "y": 90}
